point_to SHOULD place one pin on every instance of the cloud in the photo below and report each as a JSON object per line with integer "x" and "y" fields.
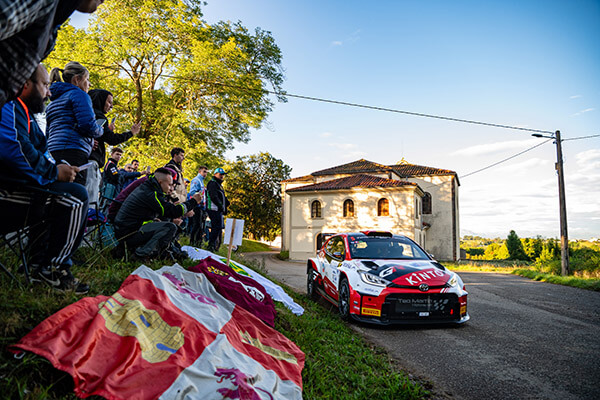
{"x": 583, "y": 111}
{"x": 524, "y": 166}
{"x": 336, "y": 43}
{"x": 577, "y": 96}
{"x": 326, "y": 134}
{"x": 585, "y": 158}
{"x": 492, "y": 148}
{"x": 349, "y": 150}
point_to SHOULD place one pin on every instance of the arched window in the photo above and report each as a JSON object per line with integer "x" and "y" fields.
{"x": 315, "y": 209}
{"x": 427, "y": 203}
{"x": 383, "y": 208}
{"x": 348, "y": 208}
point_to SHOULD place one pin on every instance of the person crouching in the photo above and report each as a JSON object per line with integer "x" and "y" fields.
{"x": 139, "y": 222}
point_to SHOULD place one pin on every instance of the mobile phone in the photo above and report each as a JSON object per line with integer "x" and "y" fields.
{"x": 112, "y": 121}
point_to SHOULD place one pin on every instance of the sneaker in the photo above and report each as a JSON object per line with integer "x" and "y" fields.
{"x": 46, "y": 275}
{"x": 60, "y": 280}
{"x": 69, "y": 283}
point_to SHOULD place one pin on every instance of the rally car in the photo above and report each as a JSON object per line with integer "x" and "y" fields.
{"x": 381, "y": 278}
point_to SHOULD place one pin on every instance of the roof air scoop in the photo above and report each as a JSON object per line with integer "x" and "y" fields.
{"x": 370, "y": 264}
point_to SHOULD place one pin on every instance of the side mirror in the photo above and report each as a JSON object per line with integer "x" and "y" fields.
{"x": 431, "y": 255}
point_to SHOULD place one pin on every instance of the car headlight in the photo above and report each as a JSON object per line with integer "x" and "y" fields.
{"x": 453, "y": 281}
{"x": 373, "y": 279}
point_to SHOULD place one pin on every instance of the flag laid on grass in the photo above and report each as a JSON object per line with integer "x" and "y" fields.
{"x": 168, "y": 334}
{"x": 276, "y": 291}
{"x": 242, "y": 290}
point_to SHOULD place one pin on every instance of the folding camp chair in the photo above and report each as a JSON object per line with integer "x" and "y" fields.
{"x": 17, "y": 240}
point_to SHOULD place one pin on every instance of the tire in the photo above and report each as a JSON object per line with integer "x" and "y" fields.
{"x": 311, "y": 288}
{"x": 344, "y": 300}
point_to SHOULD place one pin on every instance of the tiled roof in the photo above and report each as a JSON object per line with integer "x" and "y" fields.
{"x": 404, "y": 169}
{"x": 359, "y": 166}
{"x": 408, "y": 170}
{"x": 359, "y": 180}
{"x": 299, "y": 179}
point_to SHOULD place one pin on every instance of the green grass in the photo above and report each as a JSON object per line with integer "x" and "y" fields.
{"x": 250, "y": 246}
{"x": 582, "y": 283}
{"x": 284, "y": 255}
{"x": 339, "y": 363}
{"x": 478, "y": 267}
{"x": 530, "y": 272}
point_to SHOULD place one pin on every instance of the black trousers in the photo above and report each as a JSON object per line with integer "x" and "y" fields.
{"x": 75, "y": 158}
{"x": 56, "y": 222}
{"x": 216, "y": 227}
{"x": 196, "y": 227}
{"x": 151, "y": 238}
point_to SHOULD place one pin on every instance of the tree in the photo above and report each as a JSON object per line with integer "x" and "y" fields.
{"x": 253, "y": 187}
{"x": 193, "y": 85}
{"x": 550, "y": 251}
{"x": 495, "y": 251}
{"x": 515, "y": 247}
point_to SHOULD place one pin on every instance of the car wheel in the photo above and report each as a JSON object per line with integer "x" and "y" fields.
{"x": 311, "y": 288}
{"x": 344, "y": 300}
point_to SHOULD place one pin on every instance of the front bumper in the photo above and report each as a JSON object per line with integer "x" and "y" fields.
{"x": 411, "y": 308}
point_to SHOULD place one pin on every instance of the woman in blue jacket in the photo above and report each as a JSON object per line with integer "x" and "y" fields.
{"x": 71, "y": 122}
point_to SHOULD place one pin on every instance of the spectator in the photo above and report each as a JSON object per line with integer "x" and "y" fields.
{"x": 110, "y": 178}
{"x": 127, "y": 175}
{"x": 217, "y": 204}
{"x": 24, "y": 156}
{"x": 177, "y": 156}
{"x": 28, "y": 32}
{"x": 196, "y": 223}
{"x": 102, "y": 102}
{"x": 72, "y": 126}
{"x": 114, "y": 207}
{"x": 147, "y": 203}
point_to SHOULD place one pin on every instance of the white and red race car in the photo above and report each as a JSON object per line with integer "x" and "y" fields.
{"x": 381, "y": 278}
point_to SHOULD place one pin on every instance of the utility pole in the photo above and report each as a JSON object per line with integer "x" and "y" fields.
{"x": 564, "y": 236}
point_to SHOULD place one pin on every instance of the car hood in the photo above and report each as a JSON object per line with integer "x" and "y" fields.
{"x": 408, "y": 272}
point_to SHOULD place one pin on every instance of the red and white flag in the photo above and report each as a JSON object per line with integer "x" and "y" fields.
{"x": 168, "y": 334}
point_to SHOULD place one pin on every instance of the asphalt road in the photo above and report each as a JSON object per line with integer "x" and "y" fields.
{"x": 525, "y": 339}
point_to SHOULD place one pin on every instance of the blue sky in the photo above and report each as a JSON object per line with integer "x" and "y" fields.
{"x": 530, "y": 64}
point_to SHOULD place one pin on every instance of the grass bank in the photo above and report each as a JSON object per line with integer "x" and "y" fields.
{"x": 575, "y": 281}
{"x": 531, "y": 272}
{"x": 251, "y": 246}
{"x": 339, "y": 364}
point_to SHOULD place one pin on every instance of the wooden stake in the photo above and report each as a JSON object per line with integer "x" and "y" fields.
{"x": 230, "y": 241}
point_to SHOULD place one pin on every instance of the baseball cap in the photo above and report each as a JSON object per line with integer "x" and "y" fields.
{"x": 219, "y": 171}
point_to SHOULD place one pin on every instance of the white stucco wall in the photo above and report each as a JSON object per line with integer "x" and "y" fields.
{"x": 439, "y": 236}
{"x": 302, "y": 230}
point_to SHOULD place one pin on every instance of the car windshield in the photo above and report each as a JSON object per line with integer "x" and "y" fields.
{"x": 372, "y": 247}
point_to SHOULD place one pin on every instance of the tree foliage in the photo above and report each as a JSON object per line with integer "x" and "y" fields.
{"x": 254, "y": 190}
{"x": 193, "y": 85}
{"x": 515, "y": 247}
{"x": 496, "y": 251}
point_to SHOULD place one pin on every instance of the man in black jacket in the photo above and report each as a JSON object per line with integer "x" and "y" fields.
{"x": 217, "y": 204}
{"x": 177, "y": 157}
{"x": 139, "y": 220}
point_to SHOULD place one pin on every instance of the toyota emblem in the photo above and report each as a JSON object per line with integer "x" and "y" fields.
{"x": 423, "y": 287}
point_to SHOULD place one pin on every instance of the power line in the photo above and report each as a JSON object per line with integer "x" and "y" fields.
{"x": 506, "y": 159}
{"x": 513, "y": 156}
{"x": 312, "y": 98}
{"x": 581, "y": 137}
